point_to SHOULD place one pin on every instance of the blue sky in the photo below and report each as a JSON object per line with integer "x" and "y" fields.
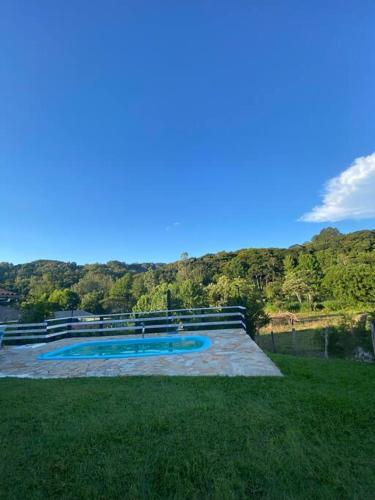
{"x": 138, "y": 130}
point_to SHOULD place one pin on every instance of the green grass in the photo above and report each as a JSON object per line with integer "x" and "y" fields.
{"x": 308, "y": 435}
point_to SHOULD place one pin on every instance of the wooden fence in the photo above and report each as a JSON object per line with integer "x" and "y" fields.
{"x": 168, "y": 321}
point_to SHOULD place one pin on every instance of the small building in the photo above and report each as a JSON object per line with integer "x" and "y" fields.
{"x": 70, "y": 314}
{"x": 8, "y": 313}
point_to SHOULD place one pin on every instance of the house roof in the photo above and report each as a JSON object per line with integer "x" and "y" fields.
{"x": 7, "y": 293}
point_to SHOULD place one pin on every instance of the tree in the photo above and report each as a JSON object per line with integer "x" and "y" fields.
{"x": 35, "y": 282}
{"x": 92, "y": 288}
{"x": 273, "y": 293}
{"x": 226, "y": 292}
{"x": 120, "y": 296}
{"x": 351, "y": 284}
{"x": 93, "y": 281}
{"x": 309, "y": 271}
{"x": 155, "y": 300}
{"x": 138, "y": 285}
{"x": 150, "y": 281}
{"x": 92, "y": 302}
{"x": 259, "y": 265}
{"x": 40, "y": 286}
{"x": 289, "y": 264}
{"x": 35, "y": 312}
{"x": 183, "y": 267}
{"x": 189, "y": 294}
{"x": 143, "y": 303}
{"x": 65, "y": 299}
{"x": 295, "y": 286}
{"x": 326, "y": 236}
{"x": 302, "y": 281}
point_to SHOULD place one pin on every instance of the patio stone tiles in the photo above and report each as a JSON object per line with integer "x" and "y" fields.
{"x": 231, "y": 353}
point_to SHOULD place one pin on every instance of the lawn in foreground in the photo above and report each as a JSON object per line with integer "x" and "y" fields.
{"x": 307, "y": 435}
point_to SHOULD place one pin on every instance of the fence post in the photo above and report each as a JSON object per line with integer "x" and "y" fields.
{"x": 69, "y": 326}
{"x": 373, "y": 334}
{"x": 294, "y": 340}
{"x": 169, "y": 306}
{"x": 326, "y": 343}
{"x": 273, "y": 341}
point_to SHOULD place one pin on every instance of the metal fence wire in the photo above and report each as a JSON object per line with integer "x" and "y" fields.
{"x": 356, "y": 342}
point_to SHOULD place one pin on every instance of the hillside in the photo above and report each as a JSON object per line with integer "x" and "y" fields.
{"x": 333, "y": 271}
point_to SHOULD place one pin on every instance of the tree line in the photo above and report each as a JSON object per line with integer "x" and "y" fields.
{"x": 333, "y": 271}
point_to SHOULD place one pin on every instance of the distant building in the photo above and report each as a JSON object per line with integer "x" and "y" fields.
{"x": 6, "y": 296}
{"x": 70, "y": 314}
{"x": 9, "y": 314}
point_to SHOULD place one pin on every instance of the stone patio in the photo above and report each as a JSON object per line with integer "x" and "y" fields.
{"x": 232, "y": 353}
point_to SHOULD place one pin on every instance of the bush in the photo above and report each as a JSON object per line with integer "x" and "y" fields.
{"x": 293, "y": 306}
{"x": 345, "y": 338}
{"x": 35, "y": 312}
{"x": 305, "y": 307}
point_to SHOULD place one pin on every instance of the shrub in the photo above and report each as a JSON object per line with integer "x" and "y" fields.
{"x": 345, "y": 338}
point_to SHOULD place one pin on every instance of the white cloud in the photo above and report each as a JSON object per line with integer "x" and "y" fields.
{"x": 350, "y": 195}
{"x": 174, "y": 225}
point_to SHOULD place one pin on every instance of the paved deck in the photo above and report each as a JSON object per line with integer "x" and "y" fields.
{"x": 232, "y": 353}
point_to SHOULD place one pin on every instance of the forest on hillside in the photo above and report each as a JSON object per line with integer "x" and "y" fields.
{"x": 332, "y": 272}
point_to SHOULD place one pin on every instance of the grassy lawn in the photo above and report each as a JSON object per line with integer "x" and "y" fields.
{"x": 308, "y": 435}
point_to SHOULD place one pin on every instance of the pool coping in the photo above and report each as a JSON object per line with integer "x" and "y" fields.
{"x": 232, "y": 353}
{"x": 54, "y": 355}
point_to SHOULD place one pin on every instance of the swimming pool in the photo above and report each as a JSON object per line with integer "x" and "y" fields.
{"x": 130, "y": 348}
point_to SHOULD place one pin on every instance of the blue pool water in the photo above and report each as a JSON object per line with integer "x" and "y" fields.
{"x": 158, "y": 346}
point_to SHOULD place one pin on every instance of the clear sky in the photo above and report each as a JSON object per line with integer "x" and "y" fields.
{"x": 135, "y": 130}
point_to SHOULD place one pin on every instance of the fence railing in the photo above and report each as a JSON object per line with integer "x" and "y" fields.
{"x": 168, "y": 321}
